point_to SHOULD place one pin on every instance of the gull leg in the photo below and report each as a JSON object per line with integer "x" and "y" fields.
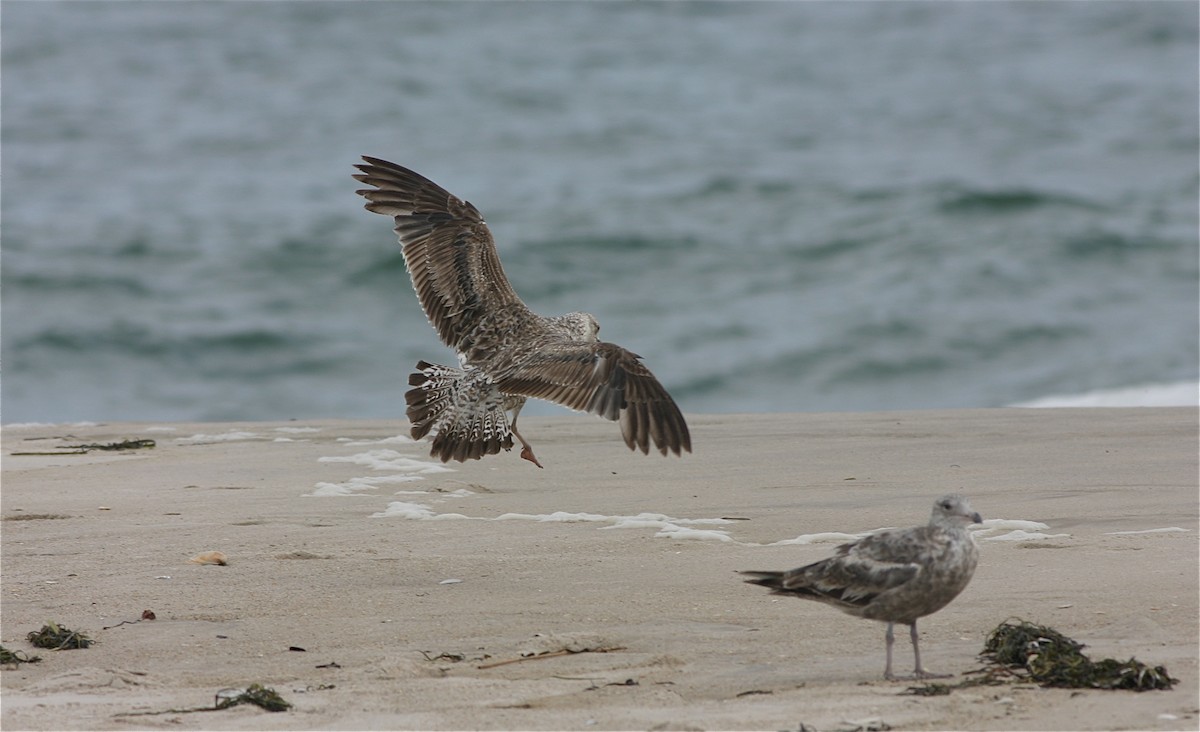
{"x": 526, "y": 450}
{"x": 918, "y": 671}
{"x": 890, "y": 638}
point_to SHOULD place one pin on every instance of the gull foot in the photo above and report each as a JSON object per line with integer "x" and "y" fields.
{"x": 528, "y": 455}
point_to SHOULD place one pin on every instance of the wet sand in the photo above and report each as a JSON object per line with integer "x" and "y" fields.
{"x": 409, "y": 584}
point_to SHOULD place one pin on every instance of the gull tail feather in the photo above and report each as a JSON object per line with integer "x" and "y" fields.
{"x": 463, "y": 410}
{"x": 774, "y": 580}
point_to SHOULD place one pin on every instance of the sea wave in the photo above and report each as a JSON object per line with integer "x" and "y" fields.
{"x": 1004, "y": 208}
{"x": 1177, "y": 394}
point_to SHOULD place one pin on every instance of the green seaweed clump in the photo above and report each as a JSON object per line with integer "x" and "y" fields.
{"x": 16, "y": 658}
{"x": 57, "y": 638}
{"x": 930, "y": 689}
{"x": 1052, "y": 659}
{"x": 258, "y": 695}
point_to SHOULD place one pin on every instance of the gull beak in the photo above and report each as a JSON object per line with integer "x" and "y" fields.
{"x": 976, "y": 518}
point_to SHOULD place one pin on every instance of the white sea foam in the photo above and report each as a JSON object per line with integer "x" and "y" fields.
{"x": 1016, "y": 530}
{"x": 1167, "y": 530}
{"x": 1007, "y": 525}
{"x": 640, "y": 521}
{"x": 561, "y": 516}
{"x": 297, "y": 430}
{"x": 355, "y": 486}
{"x": 231, "y": 436}
{"x": 667, "y": 527}
{"x": 825, "y": 537}
{"x": 671, "y": 528}
{"x": 658, "y": 520}
{"x": 633, "y": 522}
{"x": 417, "y": 511}
{"x": 394, "y": 440}
{"x": 682, "y": 528}
{"x": 327, "y": 490}
{"x": 672, "y": 531}
{"x": 1177, "y": 394}
{"x": 1022, "y": 535}
{"x": 389, "y": 460}
{"x": 406, "y": 469}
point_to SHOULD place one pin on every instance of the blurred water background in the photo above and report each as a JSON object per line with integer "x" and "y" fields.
{"x": 781, "y": 206}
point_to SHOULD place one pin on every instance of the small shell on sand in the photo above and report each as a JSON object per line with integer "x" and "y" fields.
{"x": 209, "y": 558}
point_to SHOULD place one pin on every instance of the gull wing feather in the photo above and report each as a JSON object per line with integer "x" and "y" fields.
{"x": 860, "y": 571}
{"x": 449, "y": 251}
{"x": 607, "y": 380}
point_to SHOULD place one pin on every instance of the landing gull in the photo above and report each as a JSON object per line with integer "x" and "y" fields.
{"x": 506, "y": 352}
{"x": 894, "y": 576}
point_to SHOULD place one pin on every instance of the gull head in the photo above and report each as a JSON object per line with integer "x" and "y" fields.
{"x": 580, "y": 327}
{"x": 953, "y": 511}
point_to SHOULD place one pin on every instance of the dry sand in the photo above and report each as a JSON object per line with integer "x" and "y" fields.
{"x": 689, "y": 646}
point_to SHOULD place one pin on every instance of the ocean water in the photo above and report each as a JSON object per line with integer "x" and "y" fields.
{"x": 780, "y": 206}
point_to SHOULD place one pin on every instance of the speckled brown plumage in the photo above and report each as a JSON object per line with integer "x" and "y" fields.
{"x": 506, "y": 352}
{"x": 893, "y": 576}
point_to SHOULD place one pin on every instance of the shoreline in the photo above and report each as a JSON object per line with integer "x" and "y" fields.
{"x": 342, "y": 536}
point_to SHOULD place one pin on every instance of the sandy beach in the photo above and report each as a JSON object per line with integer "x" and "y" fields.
{"x": 422, "y": 594}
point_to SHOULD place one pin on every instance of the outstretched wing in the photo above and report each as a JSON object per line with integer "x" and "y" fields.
{"x": 448, "y": 248}
{"x": 606, "y": 380}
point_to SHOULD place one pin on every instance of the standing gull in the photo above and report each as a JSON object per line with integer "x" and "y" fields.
{"x": 506, "y": 352}
{"x": 895, "y": 576}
